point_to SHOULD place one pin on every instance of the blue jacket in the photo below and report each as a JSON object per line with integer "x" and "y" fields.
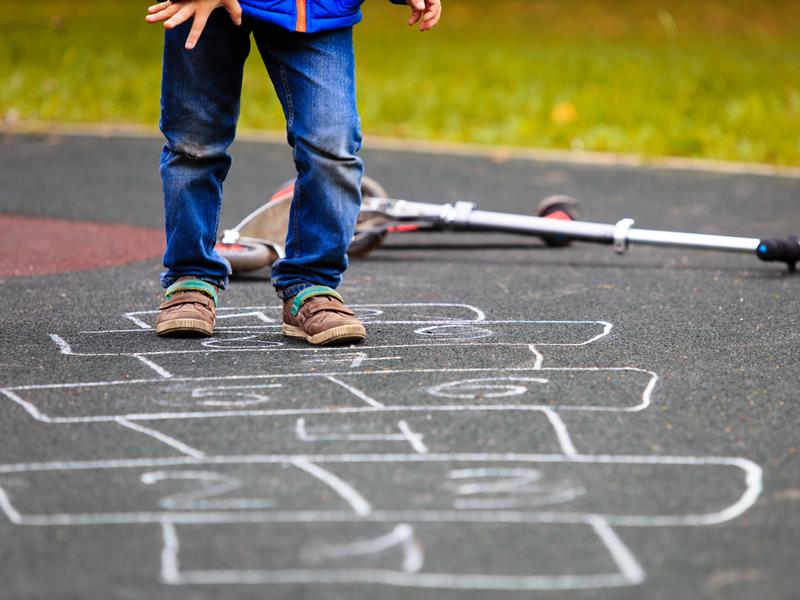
{"x": 308, "y": 16}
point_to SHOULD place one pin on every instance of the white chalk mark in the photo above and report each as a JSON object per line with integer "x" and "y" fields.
{"x": 157, "y": 368}
{"x": 455, "y": 333}
{"x": 38, "y": 415}
{"x": 539, "y": 357}
{"x": 415, "y": 439}
{"x": 436, "y": 325}
{"x": 161, "y": 437}
{"x": 753, "y": 487}
{"x": 607, "y": 327}
{"x": 512, "y": 479}
{"x": 29, "y": 407}
{"x": 62, "y": 344}
{"x": 401, "y": 579}
{"x": 402, "y": 535}
{"x": 8, "y": 509}
{"x": 258, "y": 314}
{"x": 242, "y": 343}
{"x": 138, "y": 322}
{"x": 405, "y": 435}
{"x": 170, "y": 572}
{"x": 359, "y": 505}
{"x": 523, "y": 488}
{"x": 303, "y": 435}
{"x": 356, "y": 392}
{"x": 202, "y": 498}
{"x": 754, "y": 482}
{"x": 251, "y": 398}
{"x": 647, "y": 394}
{"x": 355, "y": 359}
{"x": 543, "y": 499}
{"x": 279, "y": 347}
{"x": 484, "y": 387}
{"x": 625, "y": 561}
{"x": 562, "y": 434}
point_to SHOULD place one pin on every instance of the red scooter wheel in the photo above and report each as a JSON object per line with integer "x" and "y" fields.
{"x": 246, "y": 255}
{"x": 564, "y": 208}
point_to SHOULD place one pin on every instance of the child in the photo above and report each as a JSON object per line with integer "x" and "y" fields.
{"x": 307, "y": 48}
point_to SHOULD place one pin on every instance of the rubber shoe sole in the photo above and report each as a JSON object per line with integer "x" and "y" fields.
{"x": 337, "y": 335}
{"x": 188, "y": 327}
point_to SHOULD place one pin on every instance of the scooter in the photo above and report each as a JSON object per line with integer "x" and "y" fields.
{"x": 257, "y": 241}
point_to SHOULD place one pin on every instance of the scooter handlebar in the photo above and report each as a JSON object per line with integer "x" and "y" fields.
{"x": 786, "y": 250}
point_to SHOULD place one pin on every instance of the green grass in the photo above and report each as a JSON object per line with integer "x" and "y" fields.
{"x": 715, "y": 79}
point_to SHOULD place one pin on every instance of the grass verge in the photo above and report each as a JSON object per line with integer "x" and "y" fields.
{"x": 716, "y": 79}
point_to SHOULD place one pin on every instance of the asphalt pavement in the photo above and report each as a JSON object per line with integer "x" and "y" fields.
{"x": 521, "y": 422}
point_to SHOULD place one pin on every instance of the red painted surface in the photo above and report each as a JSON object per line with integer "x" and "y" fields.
{"x": 42, "y": 246}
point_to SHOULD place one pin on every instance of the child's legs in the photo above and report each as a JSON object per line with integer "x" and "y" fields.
{"x": 314, "y": 78}
{"x": 200, "y": 94}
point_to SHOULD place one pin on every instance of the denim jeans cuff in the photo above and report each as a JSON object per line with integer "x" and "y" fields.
{"x": 168, "y": 280}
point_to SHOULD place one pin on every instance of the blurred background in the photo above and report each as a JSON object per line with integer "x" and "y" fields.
{"x": 716, "y": 79}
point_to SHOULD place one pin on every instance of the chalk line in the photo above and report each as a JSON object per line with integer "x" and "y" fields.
{"x": 401, "y": 579}
{"x": 402, "y": 535}
{"x": 562, "y": 434}
{"x": 8, "y": 509}
{"x": 157, "y": 368}
{"x": 415, "y": 439}
{"x": 356, "y": 392}
{"x": 161, "y": 437}
{"x": 405, "y": 435}
{"x": 169, "y": 554}
{"x": 62, "y": 344}
{"x": 138, "y": 322}
{"x": 561, "y": 497}
{"x": 623, "y": 557}
{"x": 539, "y": 357}
{"x": 360, "y": 506}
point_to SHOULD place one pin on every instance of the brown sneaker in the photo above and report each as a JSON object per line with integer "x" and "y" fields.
{"x": 189, "y": 308}
{"x": 318, "y": 314}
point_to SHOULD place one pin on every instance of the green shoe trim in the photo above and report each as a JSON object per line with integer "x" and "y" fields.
{"x": 192, "y": 284}
{"x": 310, "y": 292}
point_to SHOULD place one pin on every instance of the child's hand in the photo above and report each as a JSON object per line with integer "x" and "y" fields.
{"x": 425, "y": 12}
{"x": 175, "y": 12}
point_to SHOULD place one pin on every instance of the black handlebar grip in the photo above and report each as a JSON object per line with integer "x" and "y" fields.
{"x": 780, "y": 250}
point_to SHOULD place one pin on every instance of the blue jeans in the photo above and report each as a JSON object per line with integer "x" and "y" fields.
{"x": 313, "y": 75}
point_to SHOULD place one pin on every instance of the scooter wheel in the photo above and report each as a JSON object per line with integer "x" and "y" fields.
{"x": 564, "y": 208}
{"x": 372, "y": 189}
{"x": 370, "y": 228}
{"x": 370, "y": 232}
{"x": 246, "y": 255}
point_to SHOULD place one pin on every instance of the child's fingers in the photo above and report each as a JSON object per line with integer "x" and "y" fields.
{"x": 235, "y": 11}
{"x": 415, "y": 16}
{"x": 157, "y": 7}
{"x": 198, "y": 25}
{"x": 163, "y": 14}
{"x": 431, "y": 17}
{"x": 179, "y": 17}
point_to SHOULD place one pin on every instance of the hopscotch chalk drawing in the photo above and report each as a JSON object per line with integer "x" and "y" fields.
{"x": 366, "y": 473}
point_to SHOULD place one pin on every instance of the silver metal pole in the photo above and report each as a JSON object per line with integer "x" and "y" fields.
{"x": 692, "y": 240}
{"x": 578, "y": 230}
{"x": 463, "y": 215}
